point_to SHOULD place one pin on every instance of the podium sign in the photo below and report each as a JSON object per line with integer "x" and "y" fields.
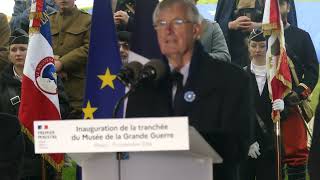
{"x": 111, "y": 135}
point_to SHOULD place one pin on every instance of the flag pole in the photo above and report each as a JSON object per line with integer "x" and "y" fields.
{"x": 43, "y": 169}
{"x": 278, "y": 150}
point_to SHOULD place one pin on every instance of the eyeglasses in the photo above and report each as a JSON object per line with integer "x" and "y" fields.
{"x": 175, "y": 23}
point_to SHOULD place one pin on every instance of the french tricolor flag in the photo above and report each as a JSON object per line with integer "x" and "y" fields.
{"x": 39, "y": 97}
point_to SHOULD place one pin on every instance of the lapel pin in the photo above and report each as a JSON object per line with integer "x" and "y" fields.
{"x": 189, "y": 96}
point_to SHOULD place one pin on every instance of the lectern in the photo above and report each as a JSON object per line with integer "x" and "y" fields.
{"x": 194, "y": 164}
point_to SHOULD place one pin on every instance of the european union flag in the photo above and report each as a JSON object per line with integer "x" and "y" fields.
{"x": 102, "y": 87}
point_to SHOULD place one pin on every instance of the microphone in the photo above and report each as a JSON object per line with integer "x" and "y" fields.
{"x": 129, "y": 73}
{"x": 135, "y": 74}
{"x": 154, "y": 70}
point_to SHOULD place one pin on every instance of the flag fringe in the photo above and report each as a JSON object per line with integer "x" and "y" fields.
{"x": 35, "y": 15}
{"x": 269, "y": 28}
{"x": 33, "y": 30}
{"x": 56, "y": 166}
{"x": 285, "y": 82}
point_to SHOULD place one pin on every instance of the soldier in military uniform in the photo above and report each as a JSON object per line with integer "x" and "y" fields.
{"x": 70, "y": 29}
{"x": 124, "y": 14}
{"x": 4, "y": 40}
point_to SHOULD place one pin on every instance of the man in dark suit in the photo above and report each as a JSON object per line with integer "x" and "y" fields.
{"x": 215, "y": 95}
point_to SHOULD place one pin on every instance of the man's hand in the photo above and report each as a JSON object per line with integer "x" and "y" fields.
{"x": 57, "y": 63}
{"x": 244, "y": 24}
{"x": 278, "y": 105}
{"x": 121, "y": 17}
{"x": 254, "y": 150}
{"x": 241, "y": 23}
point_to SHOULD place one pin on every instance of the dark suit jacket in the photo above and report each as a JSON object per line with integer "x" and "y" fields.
{"x": 314, "y": 155}
{"x": 220, "y": 110}
{"x": 236, "y": 39}
{"x": 263, "y": 107}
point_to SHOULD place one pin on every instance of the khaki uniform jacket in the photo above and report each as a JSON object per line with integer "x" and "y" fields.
{"x": 4, "y": 40}
{"x": 70, "y": 40}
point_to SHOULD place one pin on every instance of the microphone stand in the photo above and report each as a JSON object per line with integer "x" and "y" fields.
{"x": 133, "y": 86}
{"x": 120, "y": 101}
{"x": 120, "y": 155}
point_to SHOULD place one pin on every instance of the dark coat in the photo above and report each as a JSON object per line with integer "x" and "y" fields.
{"x": 144, "y": 38}
{"x": 11, "y": 147}
{"x": 263, "y": 108}
{"x": 10, "y": 87}
{"x": 128, "y": 6}
{"x": 301, "y": 51}
{"x": 220, "y": 110}
{"x": 262, "y": 168}
{"x": 236, "y": 40}
{"x": 314, "y": 155}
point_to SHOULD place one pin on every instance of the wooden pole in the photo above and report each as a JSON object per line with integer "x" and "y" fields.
{"x": 278, "y": 150}
{"x": 43, "y": 169}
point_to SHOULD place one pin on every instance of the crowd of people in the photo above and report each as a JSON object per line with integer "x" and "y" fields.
{"x": 216, "y": 75}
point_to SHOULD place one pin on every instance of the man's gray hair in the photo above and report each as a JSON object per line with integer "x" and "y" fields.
{"x": 192, "y": 11}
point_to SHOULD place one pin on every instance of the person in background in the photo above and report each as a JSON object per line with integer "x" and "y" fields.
{"x": 21, "y": 11}
{"x": 4, "y": 40}
{"x": 197, "y": 86}
{"x": 124, "y": 15}
{"x": 70, "y": 32}
{"x": 212, "y": 39}
{"x": 314, "y": 154}
{"x": 10, "y": 93}
{"x": 237, "y": 18}
{"x": 124, "y": 45}
{"x": 11, "y": 147}
{"x": 261, "y": 164}
{"x": 301, "y": 51}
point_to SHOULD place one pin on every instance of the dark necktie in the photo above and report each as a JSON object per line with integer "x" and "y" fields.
{"x": 177, "y": 81}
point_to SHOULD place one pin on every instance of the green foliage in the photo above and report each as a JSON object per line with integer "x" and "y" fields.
{"x": 315, "y": 94}
{"x": 69, "y": 173}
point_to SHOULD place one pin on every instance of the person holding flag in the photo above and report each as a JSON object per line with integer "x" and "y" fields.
{"x": 301, "y": 52}
{"x": 10, "y": 97}
{"x": 32, "y": 69}
{"x": 261, "y": 162}
{"x": 288, "y": 44}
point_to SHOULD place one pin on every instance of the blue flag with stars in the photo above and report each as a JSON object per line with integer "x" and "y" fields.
{"x": 103, "y": 89}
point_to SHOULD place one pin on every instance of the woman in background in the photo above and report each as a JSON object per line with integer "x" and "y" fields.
{"x": 10, "y": 93}
{"x": 261, "y": 162}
